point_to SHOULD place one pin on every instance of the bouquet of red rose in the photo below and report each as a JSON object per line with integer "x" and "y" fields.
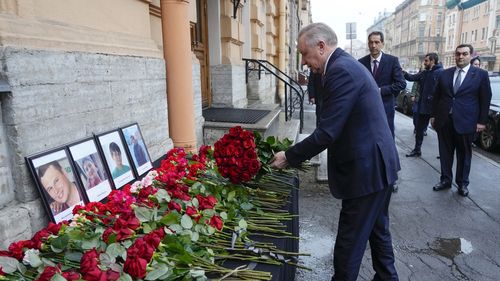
{"x": 236, "y": 156}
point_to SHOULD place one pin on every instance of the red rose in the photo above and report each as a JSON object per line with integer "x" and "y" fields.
{"x": 154, "y": 238}
{"x": 47, "y": 273}
{"x": 89, "y": 261}
{"x": 216, "y": 222}
{"x": 71, "y": 275}
{"x": 206, "y": 202}
{"x": 135, "y": 265}
{"x": 193, "y": 213}
{"x": 172, "y": 205}
{"x": 89, "y": 267}
{"x": 5, "y": 253}
{"x": 17, "y": 248}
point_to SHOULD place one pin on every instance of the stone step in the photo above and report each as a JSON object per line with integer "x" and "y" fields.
{"x": 322, "y": 168}
{"x": 267, "y": 126}
{"x": 288, "y": 129}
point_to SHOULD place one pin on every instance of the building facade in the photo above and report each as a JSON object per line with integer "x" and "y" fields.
{"x": 71, "y": 69}
{"x": 417, "y": 29}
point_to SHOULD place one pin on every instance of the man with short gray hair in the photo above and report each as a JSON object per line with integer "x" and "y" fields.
{"x": 362, "y": 155}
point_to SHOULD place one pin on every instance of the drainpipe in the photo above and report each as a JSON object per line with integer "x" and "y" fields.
{"x": 177, "y": 53}
{"x": 281, "y": 47}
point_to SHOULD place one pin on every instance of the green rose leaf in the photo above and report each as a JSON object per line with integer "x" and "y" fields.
{"x": 159, "y": 271}
{"x": 195, "y": 236}
{"x": 231, "y": 195}
{"x": 73, "y": 256}
{"x": 8, "y": 264}
{"x": 59, "y": 243}
{"x": 116, "y": 250}
{"x": 176, "y": 228}
{"x": 246, "y": 206}
{"x": 208, "y": 213}
{"x": 125, "y": 277}
{"x": 197, "y": 273}
{"x": 106, "y": 259}
{"x": 143, "y": 214}
{"x": 58, "y": 277}
{"x": 146, "y": 228}
{"x": 169, "y": 219}
{"x": 242, "y": 224}
{"x": 90, "y": 243}
{"x": 162, "y": 196}
{"x": 186, "y": 222}
{"x": 195, "y": 202}
{"x": 223, "y": 215}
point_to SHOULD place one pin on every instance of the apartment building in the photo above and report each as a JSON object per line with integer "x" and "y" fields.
{"x": 471, "y": 22}
{"x": 415, "y": 29}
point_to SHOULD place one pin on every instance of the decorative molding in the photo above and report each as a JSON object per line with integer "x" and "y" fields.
{"x": 154, "y": 10}
{"x": 146, "y": 1}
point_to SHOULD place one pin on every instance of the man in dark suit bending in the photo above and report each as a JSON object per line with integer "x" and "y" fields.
{"x": 460, "y": 109}
{"x": 362, "y": 156}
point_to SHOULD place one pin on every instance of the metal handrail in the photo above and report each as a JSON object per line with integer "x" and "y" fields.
{"x": 292, "y": 103}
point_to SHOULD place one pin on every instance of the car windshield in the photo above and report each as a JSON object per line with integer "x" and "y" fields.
{"x": 495, "y": 88}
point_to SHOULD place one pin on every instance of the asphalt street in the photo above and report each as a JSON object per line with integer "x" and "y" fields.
{"x": 436, "y": 235}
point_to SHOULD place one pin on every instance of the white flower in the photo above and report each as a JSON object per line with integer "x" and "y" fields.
{"x": 136, "y": 186}
{"x": 32, "y": 258}
{"x": 152, "y": 174}
{"x": 147, "y": 181}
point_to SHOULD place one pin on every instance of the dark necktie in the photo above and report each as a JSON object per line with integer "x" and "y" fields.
{"x": 458, "y": 81}
{"x": 375, "y": 68}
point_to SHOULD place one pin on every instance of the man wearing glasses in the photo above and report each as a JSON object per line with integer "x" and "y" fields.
{"x": 460, "y": 109}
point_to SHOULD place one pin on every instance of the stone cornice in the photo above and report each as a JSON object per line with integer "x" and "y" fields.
{"x": 27, "y": 33}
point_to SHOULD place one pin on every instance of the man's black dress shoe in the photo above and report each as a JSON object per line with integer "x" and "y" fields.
{"x": 441, "y": 186}
{"x": 462, "y": 190}
{"x": 414, "y": 153}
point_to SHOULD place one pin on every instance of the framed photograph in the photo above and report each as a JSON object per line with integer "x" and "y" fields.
{"x": 116, "y": 158}
{"x": 55, "y": 178}
{"x": 137, "y": 148}
{"x": 90, "y": 169}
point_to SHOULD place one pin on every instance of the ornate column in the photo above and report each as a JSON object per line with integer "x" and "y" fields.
{"x": 282, "y": 47}
{"x": 177, "y": 52}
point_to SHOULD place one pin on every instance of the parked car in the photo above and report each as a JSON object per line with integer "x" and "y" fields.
{"x": 403, "y": 101}
{"x": 489, "y": 139}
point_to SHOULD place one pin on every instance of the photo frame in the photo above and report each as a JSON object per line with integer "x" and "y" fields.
{"x": 137, "y": 148}
{"x": 116, "y": 157}
{"x": 54, "y": 175}
{"x": 90, "y": 167}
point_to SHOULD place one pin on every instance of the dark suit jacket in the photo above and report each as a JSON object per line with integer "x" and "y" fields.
{"x": 389, "y": 79}
{"x": 428, "y": 80}
{"x": 362, "y": 156}
{"x": 470, "y": 104}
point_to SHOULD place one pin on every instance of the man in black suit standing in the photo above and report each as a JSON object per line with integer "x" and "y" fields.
{"x": 388, "y": 74}
{"x": 386, "y": 71}
{"x": 362, "y": 155}
{"x": 460, "y": 109}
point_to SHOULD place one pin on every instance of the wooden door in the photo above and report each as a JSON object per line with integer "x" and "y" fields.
{"x": 199, "y": 43}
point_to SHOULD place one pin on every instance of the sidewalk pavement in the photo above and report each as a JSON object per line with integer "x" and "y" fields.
{"x": 436, "y": 235}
